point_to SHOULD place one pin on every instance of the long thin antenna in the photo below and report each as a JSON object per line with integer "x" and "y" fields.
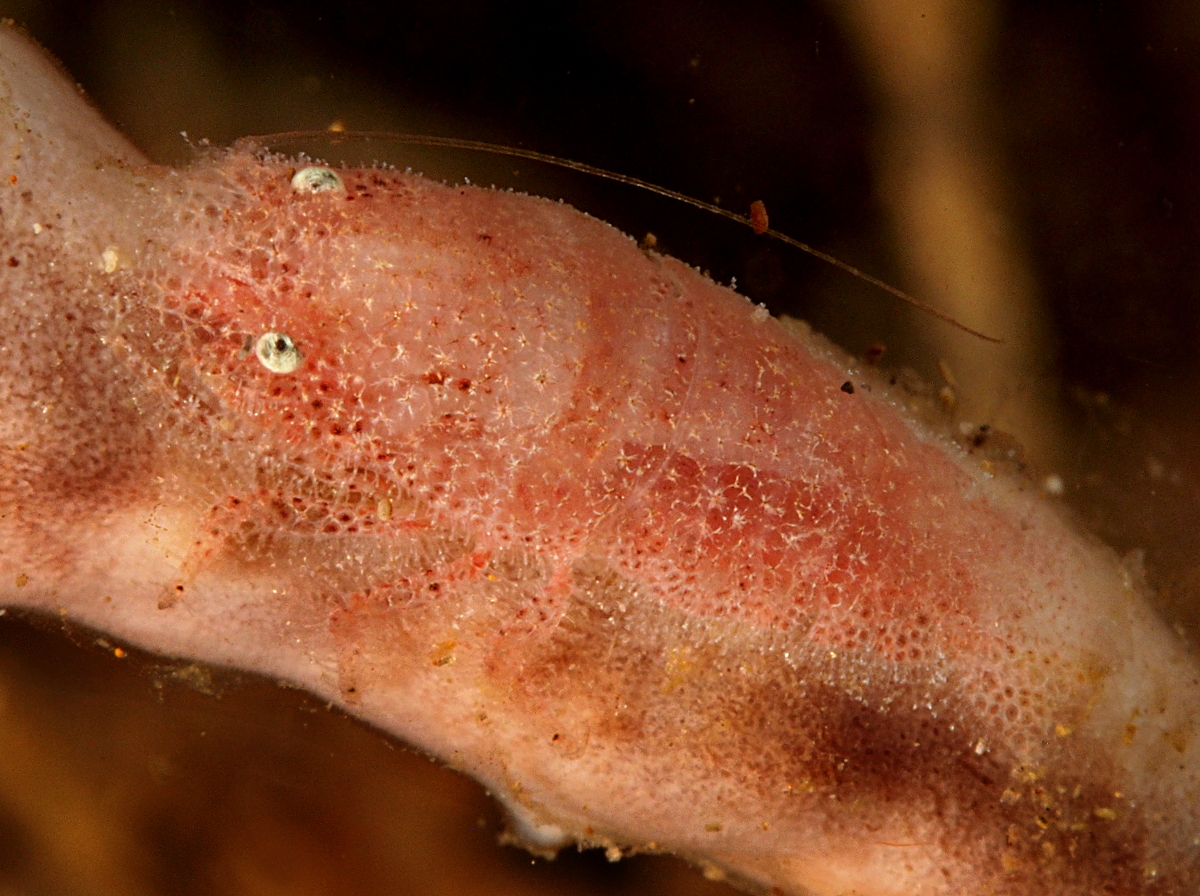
{"x": 517, "y": 152}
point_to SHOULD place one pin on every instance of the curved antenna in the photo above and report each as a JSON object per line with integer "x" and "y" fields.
{"x": 753, "y": 220}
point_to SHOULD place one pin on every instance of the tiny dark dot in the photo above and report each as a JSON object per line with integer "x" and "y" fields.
{"x": 848, "y": 387}
{"x": 12, "y": 262}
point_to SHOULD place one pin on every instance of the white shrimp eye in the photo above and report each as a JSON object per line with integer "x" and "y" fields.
{"x": 316, "y": 180}
{"x": 278, "y": 352}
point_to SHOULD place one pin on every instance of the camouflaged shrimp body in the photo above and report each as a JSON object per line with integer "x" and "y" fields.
{"x": 568, "y": 515}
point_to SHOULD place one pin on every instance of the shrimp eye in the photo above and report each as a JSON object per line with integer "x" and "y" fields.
{"x": 316, "y": 180}
{"x": 278, "y": 352}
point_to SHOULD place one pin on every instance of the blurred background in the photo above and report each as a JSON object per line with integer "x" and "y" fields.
{"x": 1028, "y": 168}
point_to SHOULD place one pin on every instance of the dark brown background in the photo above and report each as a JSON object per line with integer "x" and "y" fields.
{"x": 126, "y": 776}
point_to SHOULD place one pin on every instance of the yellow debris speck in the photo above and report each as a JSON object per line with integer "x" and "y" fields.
{"x": 947, "y": 374}
{"x": 1027, "y": 773}
{"x": 1105, "y": 813}
{"x": 1177, "y": 738}
{"x": 680, "y": 668}
{"x": 443, "y": 654}
{"x": 22, "y": 580}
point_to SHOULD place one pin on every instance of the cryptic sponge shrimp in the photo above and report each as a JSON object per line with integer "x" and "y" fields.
{"x": 568, "y": 515}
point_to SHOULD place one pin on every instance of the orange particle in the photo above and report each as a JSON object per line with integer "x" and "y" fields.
{"x": 119, "y": 653}
{"x": 758, "y": 216}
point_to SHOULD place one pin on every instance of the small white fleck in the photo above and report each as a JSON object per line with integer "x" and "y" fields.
{"x": 278, "y": 352}
{"x": 316, "y": 180}
{"x": 1053, "y": 485}
{"x": 760, "y": 314}
{"x": 111, "y": 258}
{"x": 37, "y": 228}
